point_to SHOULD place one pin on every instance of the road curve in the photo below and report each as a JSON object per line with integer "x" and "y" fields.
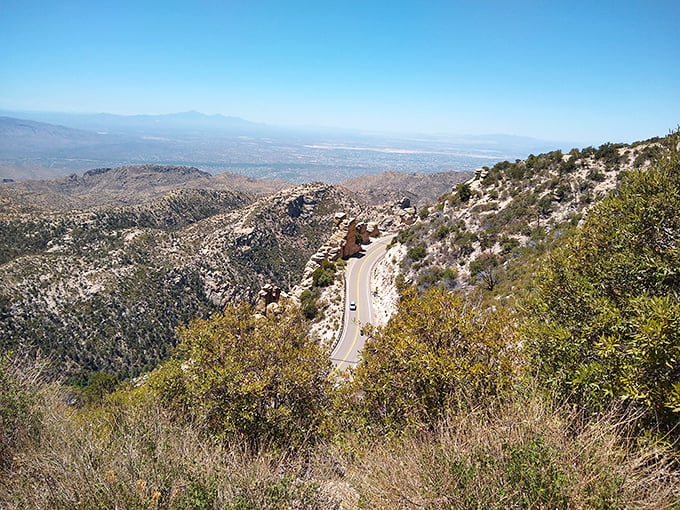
{"x": 358, "y": 282}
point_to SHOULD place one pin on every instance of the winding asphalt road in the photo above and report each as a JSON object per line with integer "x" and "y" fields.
{"x": 358, "y": 281}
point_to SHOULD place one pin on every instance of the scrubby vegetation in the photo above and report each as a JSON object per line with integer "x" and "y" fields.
{"x": 606, "y": 310}
{"x": 323, "y": 276}
{"x": 260, "y": 379}
{"x": 566, "y": 397}
{"x": 440, "y": 353}
{"x": 512, "y": 213}
{"x": 248, "y": 432}
{"x": 104, "y": 291}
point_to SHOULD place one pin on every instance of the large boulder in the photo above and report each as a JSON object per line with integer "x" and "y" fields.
{"x": 268, "y": 295}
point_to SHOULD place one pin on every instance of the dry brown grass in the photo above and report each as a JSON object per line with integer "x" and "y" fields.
{"x": 132, "y": 456}
{"x": 527, "y": 454}
{"x": 127, "y": 454}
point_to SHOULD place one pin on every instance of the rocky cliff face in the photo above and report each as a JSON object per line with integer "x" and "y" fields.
{"x": 346, "y": 239}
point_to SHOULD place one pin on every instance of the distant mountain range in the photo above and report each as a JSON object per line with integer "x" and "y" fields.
{"x": 144, "y": 124}
{"x": 38, "y": 145}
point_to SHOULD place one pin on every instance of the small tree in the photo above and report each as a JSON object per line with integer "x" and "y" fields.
{"x": 260, "y": 378}
{"x": 437, "y": 352}
{"x": 322, "y": 277}
{"x": 464, "y": 192}
{"x": 485, "y": 269}
{"x": 417, "y": 252}
{"x": 308, "y": 303}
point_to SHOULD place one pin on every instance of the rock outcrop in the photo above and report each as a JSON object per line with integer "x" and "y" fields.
{"x": 267, "y": 299}
{"x": 393, "y": 216}
{"x": 480, "y": 175}
{"x": 346, "y": 240}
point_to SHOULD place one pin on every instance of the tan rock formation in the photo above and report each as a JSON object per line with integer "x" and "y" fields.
{"x": 480, "y": 175}
{"x": 407, "y": 216}
{"x": 372, "y": 229}
{"x": 342, "y": 244}
{"x": 269, "y": 295}
{"x": 343, "y": 241}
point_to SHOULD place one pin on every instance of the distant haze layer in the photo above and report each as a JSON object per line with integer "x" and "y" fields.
{"x": 36, "y": 145}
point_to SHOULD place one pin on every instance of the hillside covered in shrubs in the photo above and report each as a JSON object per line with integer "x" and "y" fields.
{"x": 561, "y": 391}
{"x": 513, "y": 212}
{"x": 104, "y": 290}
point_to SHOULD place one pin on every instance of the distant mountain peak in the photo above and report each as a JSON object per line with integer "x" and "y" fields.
{"x": 149, "y": 169}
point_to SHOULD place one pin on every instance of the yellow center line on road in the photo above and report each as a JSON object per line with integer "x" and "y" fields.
{"x": 362, "y": 263}
{"x": 356, "y": 334}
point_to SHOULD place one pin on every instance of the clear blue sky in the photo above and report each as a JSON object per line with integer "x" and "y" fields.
{"x": 587, "y": 71}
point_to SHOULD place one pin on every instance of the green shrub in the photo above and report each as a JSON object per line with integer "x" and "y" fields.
{"x": 442, "y": 231}
{"x": 328, "y": 265}
{"x": 609, "y": 153}
{"x": 508, "y": 244}
{"x": 464, "y": 192}
{"x": 605, "y": 321}
{"x": 596, "y": 175}
{"x": 93, "y": 387}
{"x": 484, "y": 269}
{"x": 435, "y": 275}
{"x": 534, "y": 471}
{"x": 308, "y": 300}
{"x": 436, "y": 354}
{"x": 262, "y": 379}
{"x": 417, "y": 252}
{"x": 322, "y": 278}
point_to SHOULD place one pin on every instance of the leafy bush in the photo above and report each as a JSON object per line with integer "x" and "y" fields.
{"x": 417, "y": 252}
{"x": 437, "y": 353}
{"x": 435, "y": 275}
{"x": 322, "y": 278}
{"x": 484, "y": 269}
{"x": 308, "y": 300}
{"x": 508, "y": 244}
{"x": 260, "y": 378}
{"x": 442, "y": 231}
{"x": 608, "y": 152}
{"x": 93, "y": 387}
{"x": 606, "y": 309}
{"x": 328, "y": 265}
{"x": 596, "y": 175}
{"x": 464, "y": 192}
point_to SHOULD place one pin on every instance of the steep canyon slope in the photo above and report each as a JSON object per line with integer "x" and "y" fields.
{"x": 103, "y": 290}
